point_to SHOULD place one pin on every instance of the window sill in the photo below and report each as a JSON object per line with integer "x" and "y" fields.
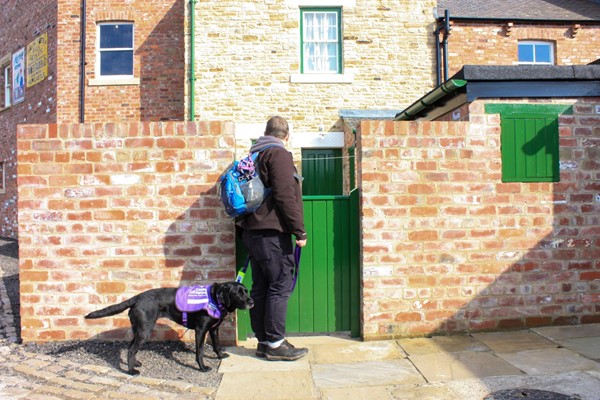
{"x": 114, "y": 82}
{"x": 4, "y": 108}
{"x": 321, "y": 78}
{"x": 321, "y": 3}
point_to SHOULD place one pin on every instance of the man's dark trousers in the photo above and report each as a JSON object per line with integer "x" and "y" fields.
{"x": 272, "y": 262}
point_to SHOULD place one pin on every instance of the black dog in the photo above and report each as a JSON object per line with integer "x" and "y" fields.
{"x": 147, "y": 307}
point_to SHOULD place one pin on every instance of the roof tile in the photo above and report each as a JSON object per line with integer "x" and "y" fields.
{"x": 550, "y": 10}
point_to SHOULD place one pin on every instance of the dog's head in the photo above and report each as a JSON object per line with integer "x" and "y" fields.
{"x": 234, "y": 295}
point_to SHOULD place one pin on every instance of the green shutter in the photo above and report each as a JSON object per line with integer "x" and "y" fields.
{"x": 529, "y": 141}
{"x": 529, "y": 148}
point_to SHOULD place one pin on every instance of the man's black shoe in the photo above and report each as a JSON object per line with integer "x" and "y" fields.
{"x": 261, "y": 349}
{"x": 285, "y": 352}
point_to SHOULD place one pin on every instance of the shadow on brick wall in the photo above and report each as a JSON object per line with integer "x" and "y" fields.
{"x": 163, "y": 68}
{"x": 552, "y": 281}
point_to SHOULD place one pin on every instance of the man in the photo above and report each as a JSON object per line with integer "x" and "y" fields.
{"x": 267, "y": 236}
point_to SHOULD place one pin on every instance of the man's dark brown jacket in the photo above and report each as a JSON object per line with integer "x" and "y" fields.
{"x": 282, "y": 210}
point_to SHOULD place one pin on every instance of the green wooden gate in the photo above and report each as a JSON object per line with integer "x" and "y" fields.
{"x": 327, "y": 296}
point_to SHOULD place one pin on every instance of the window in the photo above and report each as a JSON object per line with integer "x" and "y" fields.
{"x": 5, "y": 80}
{"x": 321, "y": 40}
{"x": 115, "y": 50}
{"x": 536, "y": 53}
{"x": 529, "y": 141}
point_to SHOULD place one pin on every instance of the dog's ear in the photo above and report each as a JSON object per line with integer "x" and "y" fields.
{"x": 225, "y": 299}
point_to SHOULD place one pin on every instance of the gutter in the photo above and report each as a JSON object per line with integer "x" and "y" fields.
{"x": 192, "y": 92}
{"x": 430, "y": 99}
{"x": 524, "y": 20}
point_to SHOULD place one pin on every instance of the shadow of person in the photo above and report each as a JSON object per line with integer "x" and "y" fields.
{"x": 201, "y": 241}
{"x": 199, "y": 247}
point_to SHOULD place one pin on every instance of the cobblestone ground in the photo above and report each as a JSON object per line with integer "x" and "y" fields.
{"x": 35, "y": 376}
{"x": 9, "y": 302}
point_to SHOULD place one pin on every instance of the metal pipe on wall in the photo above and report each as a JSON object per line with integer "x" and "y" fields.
{"x": 82, "y": 34}
{"x": 192, "y": 64}
{"x": 446, "y": 34}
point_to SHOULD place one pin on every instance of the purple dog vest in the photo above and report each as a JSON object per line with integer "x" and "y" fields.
{"x": 191, "y": 299}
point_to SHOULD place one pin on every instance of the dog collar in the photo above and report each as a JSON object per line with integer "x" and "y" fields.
{"x": 191, "y": 299}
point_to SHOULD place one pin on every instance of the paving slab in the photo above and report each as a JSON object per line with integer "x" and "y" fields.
{"x": 351, "y": 352}
{"x": 589, "y": 347}
{"x": 442, "y": 344}
{"x": 425, "y": 392}
{"x": 357, "y": 393}
{"x": 263, "y": 385}
{"x": 511, "y": 342}
{"x": 548, "y": 361}
{"x": 437, "y": 367}
{"x": 308, "y": 341}
{"x": 579, "y": 384}
{"x": 372, "y": 373}
{"x": 568, "y": 332}
{"x": 244, "y": 359}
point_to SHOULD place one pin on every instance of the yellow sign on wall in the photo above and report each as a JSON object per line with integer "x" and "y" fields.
{"x": 37, "y": 60}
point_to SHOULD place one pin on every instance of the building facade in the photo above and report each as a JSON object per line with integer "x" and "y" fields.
{"x": 446, "y": 244}
{"x": 532, "y": 32}
{"x": 55, "y": 61}
{"x": 307, "y": 60}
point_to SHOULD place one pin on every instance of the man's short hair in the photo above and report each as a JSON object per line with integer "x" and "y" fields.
{"x": 278, "y": 127}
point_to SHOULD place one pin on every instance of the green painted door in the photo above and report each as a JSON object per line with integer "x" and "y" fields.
{"x": 322, "y": 172}
{"x": 327, "y": 296}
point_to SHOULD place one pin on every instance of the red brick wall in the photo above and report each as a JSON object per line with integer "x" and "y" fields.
{"x": 448, "y": 247}
{"x": 159, "y": 62}
{"x": 20, "y": 23}
{"x": 490, "y": 44}
{"x": 109, "y": 210}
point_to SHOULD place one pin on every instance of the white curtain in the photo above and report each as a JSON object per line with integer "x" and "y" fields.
{"x": 320, "y": 41}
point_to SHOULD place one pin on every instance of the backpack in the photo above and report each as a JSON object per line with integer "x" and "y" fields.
{"x": 240, "y": 188}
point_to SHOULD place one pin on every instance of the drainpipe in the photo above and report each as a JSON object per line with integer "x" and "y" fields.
{"x": 446, "y": 34}
{"x": 192, "y": 59}
{"x": 82, "y": 63}
{"x": 438, "y": 56}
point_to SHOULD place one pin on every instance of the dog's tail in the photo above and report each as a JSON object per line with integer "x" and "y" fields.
{"x": 112, "y": 310}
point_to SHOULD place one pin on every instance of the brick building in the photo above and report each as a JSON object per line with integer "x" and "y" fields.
{"x": 491, "y": 221}
{"x": 444, "y": 244}
{"x": 48, "y": 36}
{"x": 519, "y": 32}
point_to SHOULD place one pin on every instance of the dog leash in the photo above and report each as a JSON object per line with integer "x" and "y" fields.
{"x": 297, "y": 252}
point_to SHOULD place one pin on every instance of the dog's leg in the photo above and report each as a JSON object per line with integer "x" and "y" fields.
{"x": 142, "y": 324}
{"x": 201, "y": 331}
{"x": 214, "y": 337}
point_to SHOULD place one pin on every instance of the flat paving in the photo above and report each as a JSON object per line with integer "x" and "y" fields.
{"x": 550, "y": 361}
{"x": 460, "y": 367}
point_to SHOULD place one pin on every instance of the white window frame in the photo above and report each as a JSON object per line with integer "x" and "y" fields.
{"x": 535, "y": 43}
{"x": 323, "y": 42}
{"x": 343, "y": 75}
{"x": 128, "y": 79}
{"x": 5, "y": 65}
